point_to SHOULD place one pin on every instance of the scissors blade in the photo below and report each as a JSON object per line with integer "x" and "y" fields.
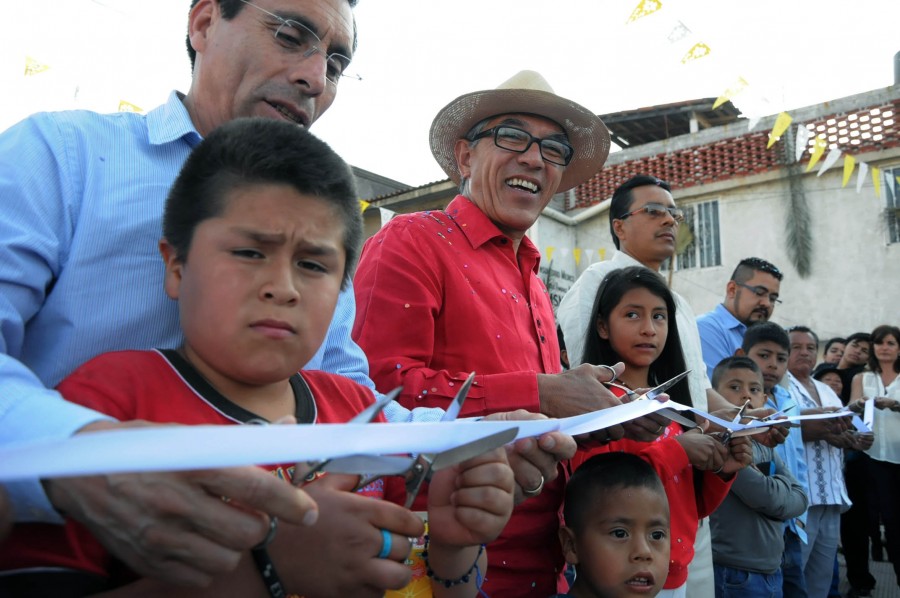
{"x": 425, "y": 464}
{"x": 363, "y": 417}
{"x": 456, "y": 404}
{"x": 658, "y": 390}
{"x": 369, "y": 464}
{"x": 673, "y": 415}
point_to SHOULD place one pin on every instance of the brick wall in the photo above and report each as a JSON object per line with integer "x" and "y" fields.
{"x": 853, "y": 132}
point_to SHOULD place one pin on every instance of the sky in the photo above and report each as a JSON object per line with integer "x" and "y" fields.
{"x": 415, "y": 56}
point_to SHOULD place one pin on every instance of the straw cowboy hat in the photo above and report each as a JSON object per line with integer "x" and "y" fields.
{"x": 527, "y": 92}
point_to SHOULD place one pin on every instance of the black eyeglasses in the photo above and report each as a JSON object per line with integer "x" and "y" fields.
{"x": 761, "y": 265}
{"x": 760, "y": 291}
{"x": 299, "y": 38}
{"x": 657, "y": 210}
{"x": 516, "y": 140}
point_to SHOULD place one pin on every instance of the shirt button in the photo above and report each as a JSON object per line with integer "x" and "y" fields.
{"x": 543, "y": 340}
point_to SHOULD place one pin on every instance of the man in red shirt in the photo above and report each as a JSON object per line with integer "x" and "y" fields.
{"x": 443, "y": 293}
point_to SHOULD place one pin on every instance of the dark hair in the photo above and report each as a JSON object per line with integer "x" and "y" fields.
{"x": 733, "y": 363}
{"x": 256, "y": 151}
{"x": 599, "y": 350}
{"x": 230, "y": 9}
{"x": 604, "y": 473}
{"x": 747, "y": 266}
{"x": 860, "y": 336}
{"x": 831, "y": 341}
{"x": 623, "y": 198}
{"x": 760, "y": 332}
{"x": 823, "y": 368}
{"x": 804, "y": 329}
{"x": 878, "y": 335}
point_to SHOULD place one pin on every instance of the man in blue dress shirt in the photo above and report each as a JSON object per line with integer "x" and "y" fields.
{"x": 750, "y": 296}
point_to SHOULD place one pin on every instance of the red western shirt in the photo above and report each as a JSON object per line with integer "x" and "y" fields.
{"x": 440, "y": 294}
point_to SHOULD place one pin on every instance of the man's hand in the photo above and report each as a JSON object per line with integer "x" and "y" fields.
{"x": 580, "y": 390}
{"x": 534, "y": 460}
{"x": 175, "y": 527}
{"x": 863, "y": 442}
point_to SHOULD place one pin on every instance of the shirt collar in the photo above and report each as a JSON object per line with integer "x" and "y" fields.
{"x": 722, "y": 314}
{"x": 171, "y": 122}
{"x": 479, "y": 230}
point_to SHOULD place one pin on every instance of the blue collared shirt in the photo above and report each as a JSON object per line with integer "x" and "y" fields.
{"x": 721, "y": 334}
{"x": 792, "y": 453}
{"x": 82, "y": 196}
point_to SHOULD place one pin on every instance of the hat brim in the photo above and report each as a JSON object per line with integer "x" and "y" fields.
{"x": 586, "y": 132}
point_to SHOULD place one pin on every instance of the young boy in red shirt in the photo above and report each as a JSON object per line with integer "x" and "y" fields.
{"x": 261, "y": 230}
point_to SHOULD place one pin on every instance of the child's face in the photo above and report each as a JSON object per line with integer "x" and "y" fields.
{"x": 772, "y": 359}
{"x": 740, "y": 385}
{"x": 833, "y": 379}
{"x": 638, "y": 327}
{"x": 258, "y": 288}
{"x": 623, "y": 547}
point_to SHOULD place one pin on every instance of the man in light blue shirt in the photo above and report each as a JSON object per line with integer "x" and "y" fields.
{"x": 80, "y": 275}
{"x": 750, "y": 296}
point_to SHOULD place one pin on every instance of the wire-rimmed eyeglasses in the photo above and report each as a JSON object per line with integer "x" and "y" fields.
{"x": 299, "y": 38}
{"x": 516, "y": 140}
{"x": 657, "y": 210}
{"x": 761, "y": 291}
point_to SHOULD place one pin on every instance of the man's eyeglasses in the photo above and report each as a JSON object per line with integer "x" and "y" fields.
{"x": 657, "y": 210}
{"x": 516, "y": 140}
{"x": 299, "y": 38}
{"x": 760, "y": 291}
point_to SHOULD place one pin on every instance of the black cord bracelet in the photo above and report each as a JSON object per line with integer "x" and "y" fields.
{"x": 464, "y": 578}
{"x": 265, "y": 565}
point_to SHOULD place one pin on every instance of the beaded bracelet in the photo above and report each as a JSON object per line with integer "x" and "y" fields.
{"x": 464, "y": 578}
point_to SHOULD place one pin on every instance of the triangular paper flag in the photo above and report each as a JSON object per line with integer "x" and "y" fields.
{"x": 876, "y": 180}
{"x": 602, "y": 252}
{"x": 386, "y": 215}
{"x": 849, "y": 165}
{"x": 781, "y": 125}
{"x": 678, "y": 33}
{"x": 129, "y": 107}
{"x": 861, "y": 177}
{"x": 697, "y": 51}
{"x": 818, "y": 152}
{"x": 33, "y": 67}
{"x": 644, "y": 8}
{"x": 576, "y": 253}
{"x": 564, "y": 251}
{"x": 589, "y": 253}
{"x": 549, "y": 252}
{"x": 752, "y": 121}
{"x": 363, "y": 205}
{"x": 830, "y": 160}
{"x": 729, "y": 93}
{"x": 802, "y": 141}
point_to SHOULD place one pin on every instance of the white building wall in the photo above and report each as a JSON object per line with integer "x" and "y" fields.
{"x": 854, "y": 283}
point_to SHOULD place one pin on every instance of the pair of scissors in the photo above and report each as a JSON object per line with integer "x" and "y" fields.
{"x": 365, "y": 416}
{"x": 418, "y": 468}
{"x": 654, "y": 392}
{"x": 726, "y": 436}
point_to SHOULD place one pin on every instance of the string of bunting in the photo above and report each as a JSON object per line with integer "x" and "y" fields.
{"x": 815, "y": 146}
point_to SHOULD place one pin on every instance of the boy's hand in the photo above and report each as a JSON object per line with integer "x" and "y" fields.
{"x": 740, "y": 455}
{"x": 534, "y": 460}
{"x": 886, "y": 403}
{"x": 174, "y": 526}
{"x": 704, "y": 452}
{"x": 470, "y": 503}
{"x": 338, "y": 556}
